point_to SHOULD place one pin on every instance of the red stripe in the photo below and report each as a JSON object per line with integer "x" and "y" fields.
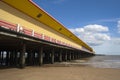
{"x": 38, "y": 35}
{"x": 46, "y": 38}
{"x": 53, "y": 40}
{"x": 27, "y": 32}
{"x": 8, "y": 25}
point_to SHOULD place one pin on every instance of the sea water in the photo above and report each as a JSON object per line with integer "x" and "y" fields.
{"x": 106, "y": 61}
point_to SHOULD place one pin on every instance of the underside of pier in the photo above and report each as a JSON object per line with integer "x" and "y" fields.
{"x": 19, "y": 50}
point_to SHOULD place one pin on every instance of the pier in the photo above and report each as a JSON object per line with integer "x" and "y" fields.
{"x": 31, "y": 37}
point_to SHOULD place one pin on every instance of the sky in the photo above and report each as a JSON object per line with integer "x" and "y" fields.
{"x": 96, "y": 22}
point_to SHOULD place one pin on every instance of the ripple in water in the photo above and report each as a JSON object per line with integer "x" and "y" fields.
{"x": 97, "y": 61}
{"x": 109, "y": 61}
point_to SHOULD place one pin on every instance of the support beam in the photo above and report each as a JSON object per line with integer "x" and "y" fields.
{"x": 22, "y": 55}
{"x": 40, "y": 56}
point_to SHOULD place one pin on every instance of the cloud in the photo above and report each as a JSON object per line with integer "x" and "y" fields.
{"x": 116, "y": 41}
{"x": 94, "y": 34}
{"x": 96, "y": 28}
{"x": 110, "y": 47}
{"x": 118, "y": 25}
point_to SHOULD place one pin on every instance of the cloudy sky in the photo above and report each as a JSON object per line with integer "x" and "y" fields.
{"x": 97, "y": 22}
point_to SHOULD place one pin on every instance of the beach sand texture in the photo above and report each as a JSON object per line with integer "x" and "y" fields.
{"x": 60, "y": 73}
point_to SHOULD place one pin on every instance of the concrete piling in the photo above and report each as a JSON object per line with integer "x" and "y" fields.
{"x": 52, "y": 55}
{"x": 7, "y": 58}
{"x": 60, "y": 55}
{"x": 40, "y": 56}
{"x": 37, "y": 56}
{"x": 22, "y": 55}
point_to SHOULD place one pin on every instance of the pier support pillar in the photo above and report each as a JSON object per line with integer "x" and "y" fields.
{"x": 40, "y": 56}
{"x": 33, "y": 56}
{"x": 22, "y": 56}
{"x": 70, "y": 56}
{"x": 16, "y": 59}
{"x": 66, "y": 56}
{"x": 30, "y": 57}
{"x": 0, "y": 58}
{"x": 52, "y": 56}
{"x": 7, "y": 58}
{"x": 75, "y": 56}
{"x": 79, "y": 56}
{"x": 11, "y": 58}
{"x": 60, "y": 56}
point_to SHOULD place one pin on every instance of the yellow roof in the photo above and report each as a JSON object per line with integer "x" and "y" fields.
{"x": 30, "y": 8}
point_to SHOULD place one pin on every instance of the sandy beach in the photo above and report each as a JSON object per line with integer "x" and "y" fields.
{"x": 60, "y": 73}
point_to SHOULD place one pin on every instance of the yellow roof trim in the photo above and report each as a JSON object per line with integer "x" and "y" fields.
{"x": 30, "y": 8}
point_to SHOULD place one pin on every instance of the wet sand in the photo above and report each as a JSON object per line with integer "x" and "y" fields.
{"x": 60, "y": 73}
